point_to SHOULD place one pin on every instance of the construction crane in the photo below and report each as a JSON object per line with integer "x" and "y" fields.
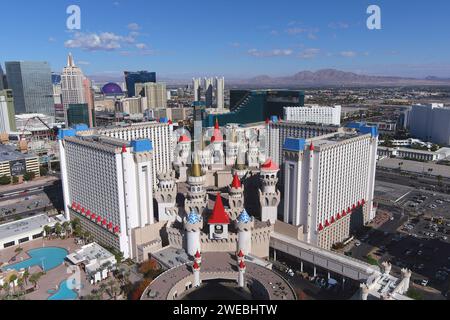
{"x": 23, "y": 145}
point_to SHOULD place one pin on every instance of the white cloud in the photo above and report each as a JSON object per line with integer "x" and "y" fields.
{"x": 309, "y": 53}
{"x": 141, "y": 46}
{"x": 348, "y": 54}
{"x": 134, "y": 26}
{"x": 83, "y": 63}
{"x": 51, "y": 39}
{"x": 270, "y": 53}
{"x": 105, "y": 41}
{"x": 274, "y": 33}
{"x": 235, "y": 44}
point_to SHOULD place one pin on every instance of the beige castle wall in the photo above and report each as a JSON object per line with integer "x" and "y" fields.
{"x": 289, "y": 230}
{"x": 147, "y": 234}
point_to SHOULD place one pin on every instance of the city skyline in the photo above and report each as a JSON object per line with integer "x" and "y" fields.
{"x": 272, "y": 40}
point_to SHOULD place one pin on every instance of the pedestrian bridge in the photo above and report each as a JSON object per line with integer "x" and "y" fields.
{"x": 331, "y": 261}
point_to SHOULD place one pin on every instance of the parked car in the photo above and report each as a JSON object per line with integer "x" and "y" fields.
{"x": 424, "y": 283}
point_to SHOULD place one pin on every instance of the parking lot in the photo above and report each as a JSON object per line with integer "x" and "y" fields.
{"x": 427, "y": 203}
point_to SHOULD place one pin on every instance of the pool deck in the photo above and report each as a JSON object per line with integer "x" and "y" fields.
{"x": 53, "y": 277}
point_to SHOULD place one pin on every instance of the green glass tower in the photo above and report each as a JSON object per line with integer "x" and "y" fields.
{"x": 249, "y": 106}
{"x": 79, "y": 114}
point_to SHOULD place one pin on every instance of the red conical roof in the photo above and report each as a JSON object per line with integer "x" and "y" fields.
{"x": 124, "y": 149}
{"x": 219, "y": 215}
{"x": 332, "y": 220}
{"x": 267, "y": 121}
{"x": 338, "y": 217}
{"x": 241, "y": 254}
{"x": 311, "y": 147}
{"x": 242, "y": 265}
{"x": 196, "y": 266}
{"x": 269, "y": 165}
{"x": 327, "y": 224}
{"x": 198, "y": 255}
{"x": 320, "y": 227}
{"x": 236, "y": 182}
{"x": 184, "y": 138}
{"x": 216, "y": 125}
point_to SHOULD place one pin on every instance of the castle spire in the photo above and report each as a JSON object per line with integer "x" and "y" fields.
{"x": 196, "y": 169}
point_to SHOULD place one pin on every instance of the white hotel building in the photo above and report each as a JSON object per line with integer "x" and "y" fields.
{"x": 159, "y": 133}
{"x": 108, "y": 185}
{"x": 280, "y": 130}
{"x": 329, "y": 184}
{"x": 314, "y": 114}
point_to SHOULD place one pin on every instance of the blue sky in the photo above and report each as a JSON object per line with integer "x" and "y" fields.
{"x": 235, "y": 38}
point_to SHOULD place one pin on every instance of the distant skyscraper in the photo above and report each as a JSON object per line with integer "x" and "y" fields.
{"x": 72, "y": 85}
{"x": 7, "y": 115}
{"x": 2, "y": 79}
{"x": 155, "y": 94}
{"x": 31, "y": 83}
{"x": 196, "y": 82}
{"x": 208, "y": 86}
{"x": 220, "y": 92}
{"x": 314, "y": 114}
{"x": 132, "y": 78}
{"x": 430, "y": 123}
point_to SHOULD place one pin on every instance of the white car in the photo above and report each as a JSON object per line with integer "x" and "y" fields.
{"x": 424, "y": 283}
{"x": 357, "y": 244}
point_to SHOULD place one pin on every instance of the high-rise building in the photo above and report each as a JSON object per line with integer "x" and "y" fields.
{"x": 250, "y": 106}
{"x": 132, "y": 78}
{"x": 155, "y": 94}
{"x": 107, "y": 184}
{"x": 2, "y": 79}
{"x": 208, "y": 87}
{"x": 159, "y": 133}
{"x": 72, "y": 88}
{"x": 7, "y": 115}
{"x": 80, "y": 114}
{"x": 31, "y": 83}
{"x": 430, "y": 123}
{"x": 196, "y": 83}
{"x": 280, "y": 130}
{"x": 314, "y": 114}
{"x": 329, "y": 184}
{"x": 220, "y": 93}
{"x": 134, "y": 105}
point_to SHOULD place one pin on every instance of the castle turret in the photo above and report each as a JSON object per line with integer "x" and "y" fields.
{"x": 193, "y": 224}
{"x": 196, "y": 199}
{"x": 218, "y": 157}
{"x": 196, "y": 270}
{"x": 236, "y": 197}
{"x": 165, "y": 195}
{"x": 219, "y": 221}
{"x": 242, "y": 269}
{"x": 244, "y": 225}
{"x": 182, "y": 153}
{"x": 269, "y": 196}
{"x": 231, "y": 148}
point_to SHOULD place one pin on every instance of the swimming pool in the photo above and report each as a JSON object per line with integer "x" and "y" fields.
{"x": 64, "y": 292}
{"x": 46, "y": 258}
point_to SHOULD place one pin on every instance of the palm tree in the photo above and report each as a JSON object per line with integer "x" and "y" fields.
{"x": 35, "y": 277}
{"x": 25, "y": 276}
{"x": 21, "y": 283}
{"x": 67, "y": 228}
{"x": 12, "y": 280}
{"x": 47, "y": 231}
{"x": 58, "y": 229}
